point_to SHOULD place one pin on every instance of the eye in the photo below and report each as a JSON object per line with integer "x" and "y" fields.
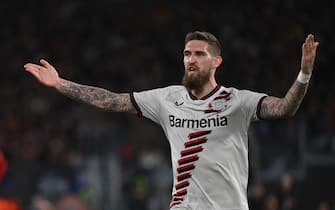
{"x": 187, "y": 53}
{"x": 200, "y": 53}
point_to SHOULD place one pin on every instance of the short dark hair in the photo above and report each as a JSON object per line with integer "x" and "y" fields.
{"x": 212, "y": 41}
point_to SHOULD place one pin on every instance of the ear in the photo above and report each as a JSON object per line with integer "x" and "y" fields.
{"x": 217, "y": 61}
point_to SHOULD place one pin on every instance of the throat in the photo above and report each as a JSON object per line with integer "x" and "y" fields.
{"x": 198, "y": 93}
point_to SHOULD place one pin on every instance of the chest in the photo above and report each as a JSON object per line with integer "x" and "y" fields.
{"x": 219, "y": 112}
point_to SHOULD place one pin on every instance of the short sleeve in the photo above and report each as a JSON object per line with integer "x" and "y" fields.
{"x": 147, "y": 103}
{"x": 251, "y": 102}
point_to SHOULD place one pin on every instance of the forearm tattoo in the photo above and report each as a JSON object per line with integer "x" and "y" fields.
{"x": 97, "y": 97}
{"x": 273, "y": 107}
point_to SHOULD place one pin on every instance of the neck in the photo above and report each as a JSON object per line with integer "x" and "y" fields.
{"x": 205, "y": 89}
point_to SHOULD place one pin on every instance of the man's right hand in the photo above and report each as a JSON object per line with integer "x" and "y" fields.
{"x": 45, "y": 73}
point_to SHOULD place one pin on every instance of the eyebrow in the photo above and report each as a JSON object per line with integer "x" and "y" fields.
{"x": 197, "y": 51}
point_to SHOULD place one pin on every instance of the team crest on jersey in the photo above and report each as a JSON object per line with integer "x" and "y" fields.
{"x": 219, "y": 103}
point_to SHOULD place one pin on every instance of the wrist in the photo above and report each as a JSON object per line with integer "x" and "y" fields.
{"x": 303, "y": 77}
{"x": 59, "y": 82}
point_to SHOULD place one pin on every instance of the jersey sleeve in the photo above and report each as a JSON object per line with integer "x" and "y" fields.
{"x": 251, "y": 103}
{"x": 148, "y": 103}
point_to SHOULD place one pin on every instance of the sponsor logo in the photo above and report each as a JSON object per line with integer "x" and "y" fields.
{"x": 179, "y": 103}
{"x": 217, "y": 121}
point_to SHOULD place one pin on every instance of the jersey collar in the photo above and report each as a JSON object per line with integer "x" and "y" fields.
{"x": 193, "y": 97}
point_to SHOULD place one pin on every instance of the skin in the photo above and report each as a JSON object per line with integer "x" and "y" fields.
{"x": 94, "y": 96}
{"x": 197, "y": 59}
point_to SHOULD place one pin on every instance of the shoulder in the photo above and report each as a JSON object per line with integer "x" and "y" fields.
{"x": 161, "y": 92}
{"x": 233, "y": 92}
{"x": 240, "y": 92}
{"x": 171, "y": 93}
{"x": 168, "y": 90}
{"x": 174, "y": 88}
{"x": 245, "y": 96}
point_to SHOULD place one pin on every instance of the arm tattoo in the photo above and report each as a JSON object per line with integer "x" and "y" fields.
{"x": 274, "y": 108}
{"x": 97, "y": 97}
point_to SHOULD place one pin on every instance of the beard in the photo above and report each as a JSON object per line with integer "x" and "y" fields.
{"x": 195, "y": 82}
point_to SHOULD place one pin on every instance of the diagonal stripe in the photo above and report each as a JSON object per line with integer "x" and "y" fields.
{"x": 182, "y": 185}
{"x": 198, "y": 134}
{"x": 181, "y": 192}
{"x": 174, "y": 203}
{"x": 188, "y": 159}
{"x": 184, "y": 176}
{"x": 178, "y": 198}
{"x": 223, "y": 96}
{"x": 185, "y": 168}
{"x": 195, "y": 142}
{"x": 191, "y": 150}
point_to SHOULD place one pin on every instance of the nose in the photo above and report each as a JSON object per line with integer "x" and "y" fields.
{"x": 192, "y": 59}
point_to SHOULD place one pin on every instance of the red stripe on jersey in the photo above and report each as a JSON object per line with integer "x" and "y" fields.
{"x": 174, "y": 203}
{"x": 181, "y": 192}
{"x": 187, "y": 163}
{"x": 182, "y": 185}
{"x": 178, "y": 198}
{"x": 195, "y": 142}
{"x": 188, "y": 159}
{"x": 191, "y": 150}
{"x": 224, "y": 96}
{"x": 198, "y": 134}
{"x": 186, "y": 168}
{"x": 183, "y": 176}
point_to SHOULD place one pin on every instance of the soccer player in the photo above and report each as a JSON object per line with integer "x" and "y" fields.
{"x": 205, "y": 123}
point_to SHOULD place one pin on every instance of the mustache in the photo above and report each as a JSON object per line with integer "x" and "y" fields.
{"x": 192, "y": 66}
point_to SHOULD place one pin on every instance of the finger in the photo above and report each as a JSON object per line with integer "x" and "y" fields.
{"x": 33, "y": 71}
{"x": 35, "y": 66}
{"x": 307, "y": 38}
{"x": 309, "y": 43}
{"x": 31, "y": 67}
{"x": 306, "y": 48}
{"x": 45, "y": 63}
{"x": 310, "y": 37}
{"x": 310, "y": 40}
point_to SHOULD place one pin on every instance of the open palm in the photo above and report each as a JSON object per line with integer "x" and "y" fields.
{"x": 308, "y": 54}
{"x": 45, "y": 73}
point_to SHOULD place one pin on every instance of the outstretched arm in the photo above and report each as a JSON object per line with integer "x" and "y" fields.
{"x": 97, "y": 97}
{"x": 273, "y": 107}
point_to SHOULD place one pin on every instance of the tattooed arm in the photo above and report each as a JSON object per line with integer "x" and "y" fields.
{"x": 97, "y": 97}
{"x": 272, "y": 107}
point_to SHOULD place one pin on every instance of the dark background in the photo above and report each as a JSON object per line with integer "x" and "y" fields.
{"x": 58, "y": 150}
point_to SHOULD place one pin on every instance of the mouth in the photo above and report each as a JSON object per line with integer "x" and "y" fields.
{"x": 192, "y": 68}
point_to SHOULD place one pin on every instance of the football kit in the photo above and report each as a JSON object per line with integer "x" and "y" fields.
{"x": 208, "y": 140}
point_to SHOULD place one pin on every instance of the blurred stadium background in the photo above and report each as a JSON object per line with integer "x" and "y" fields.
{"x": 67, "y": 156}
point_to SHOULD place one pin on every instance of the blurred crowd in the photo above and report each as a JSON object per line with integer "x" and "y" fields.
{"x": 62, "y": 155}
